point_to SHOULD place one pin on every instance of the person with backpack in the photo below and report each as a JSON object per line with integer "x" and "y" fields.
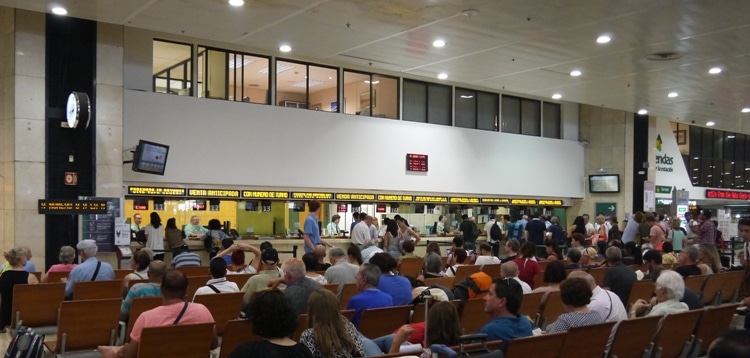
{"x": 495, "y": 234}
{"x": 676, "y": 234}
{"x": 519, "y": 227}
{"x": 469, "y": 231}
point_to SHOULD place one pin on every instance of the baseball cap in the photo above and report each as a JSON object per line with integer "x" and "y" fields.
{"x": 86, "y": 244}
{"x": 270, "y": 256}
{"x": 265, "y": 245}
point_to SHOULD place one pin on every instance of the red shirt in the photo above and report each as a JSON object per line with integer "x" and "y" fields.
{"x": 527, "y": 269}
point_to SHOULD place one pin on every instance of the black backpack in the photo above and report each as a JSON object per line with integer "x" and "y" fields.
{"x": 496, "y": 233}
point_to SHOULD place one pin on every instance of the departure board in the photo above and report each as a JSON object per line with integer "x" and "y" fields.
{"x": 416, "y": 162}
{"x": 67, "y": 207}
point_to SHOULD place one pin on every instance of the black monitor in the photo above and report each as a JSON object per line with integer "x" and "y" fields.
{"x": 604, "y": 183}
{"x": 150, "y": 157}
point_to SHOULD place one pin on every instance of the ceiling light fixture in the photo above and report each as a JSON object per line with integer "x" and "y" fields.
{"x": 710, "y": 123}
{"x": 285, "y": 48}
{"x": 470, "y": 12}
{"x": 438, "y": 43}
{"x": 575, "y": 73}
{"x": 442, "y": 76}
{"x": 467, "y": 96}
{"x": 556, "y": 96}
{"x": 731, "y": 136}
{"x": 236, "y": 2}
{"x": 673, "y": 94}
{"x": 59, "y": 10}
{"x": 714, "y": 71}
{"x": 603, "y": 39}
{"x": 372, "y": 82}
{"x": 643, "y": 112}
{"x": 746, "y": 110}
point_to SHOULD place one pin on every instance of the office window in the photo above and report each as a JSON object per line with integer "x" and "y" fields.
{"x": 368, "y": 94}
{"x": 487, "y": 110}
{"x": 172, "y": 68}
{"x": 439, "y": 104}
{"x": 415, "y": 101}
{"x": 466, "y": 108}
{"x": 233, "y": 76}
{"x": 511, "y": 114}
{"x": 531, "y": 117}
{"x": 551, "y": 118}
{"x": 299, "y": 85}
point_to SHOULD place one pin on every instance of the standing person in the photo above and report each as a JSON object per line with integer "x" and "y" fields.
{"x": 590, "y": 229}
{"x": 15, "y": 275}
{"x": 705, "y": 230}
{"x": 535, "y": 230}
{"x": 469, "y": 232}
{"x": 676, "y": 234}
{"x": 578, "y": 227}
{"x": 528, "y": 267}
{"x": 173, "y": 235}
{"x": 632, "y": 222}
{"x": 361, "y": 233}
{"x": 135, "y": 226}
{"x": 406, "y": 233}
{"x": 312, "y": 230}
{"x": 657, "y": 232}
{"x": 690, "y": 218}
{"x": 743, "y": 228}
{"x": 391, "y": 240}
{"x": 332, "y": 229}
{"x": 373, "y": 227}
{"x": 155, "y": 236}
{"x": 194, "y": 229}
{"x": 555, "y": 232}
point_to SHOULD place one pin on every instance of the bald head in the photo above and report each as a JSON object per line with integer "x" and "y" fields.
{"x": 509, "y": 269}
{"x": 587, "y": 277}
{"x": 174, "y": 285}
{"x": 156, "y": 271}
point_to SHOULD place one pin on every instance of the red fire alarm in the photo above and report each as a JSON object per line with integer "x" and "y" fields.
{"x": 71, "y": 178}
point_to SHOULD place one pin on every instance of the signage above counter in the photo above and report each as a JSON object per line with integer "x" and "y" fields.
{"x": 330, "y": 196}
{"x": 727, "y": 194}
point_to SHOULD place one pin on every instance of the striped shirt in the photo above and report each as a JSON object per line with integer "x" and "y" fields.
{"x": 186, "y": 259}
{"x": 138, "y": 290}
{"x": 569, "y": 320}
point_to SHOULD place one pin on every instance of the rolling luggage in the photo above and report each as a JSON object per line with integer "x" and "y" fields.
{"x": 25, "y": 344}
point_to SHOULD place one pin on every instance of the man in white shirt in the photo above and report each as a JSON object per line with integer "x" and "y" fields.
{"x": 510, "y": 269}
{"x": 485, "y": 256}
{"x": 218, "y": 282}
{"x": 360, "y": 234}
{"x": 488, "y": 226}
{"x": 370, "y": 221}
{"x": 604, "y": 302}
{"x": 590, "y": 229}
{"x": 333, "y": 227}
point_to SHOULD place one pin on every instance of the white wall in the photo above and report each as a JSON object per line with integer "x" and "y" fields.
{"x": 679, "y": 176}
{"x": 226, "y": 143}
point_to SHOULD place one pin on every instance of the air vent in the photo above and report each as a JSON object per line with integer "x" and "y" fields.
{"x": 664, "y": 56}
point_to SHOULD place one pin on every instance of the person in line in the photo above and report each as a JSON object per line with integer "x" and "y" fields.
{"x": 155, "y": 236}
{"x": 310, "y": 262}
{"x": 185, "y": 258}
{"x": 218, "y": 282}
{"x": 156, "y": 271}
{"x": 311, "y": 233}
{"x": 391, "y": 241}
{"x": 618, "y": 278}
{"x": 15, "y": 275}
{"x": 173, "y": 288}
{"x": 576, "y": 296}
{"x": 578, "y": 227}
{"x": 689, "y": 261}
{"x": 676, "y": 235}
{"x": 298, "y": 287}
{"x": 330, "y": 333}
{"x": 705, "y": 229}
{"x": 194, "y": 230}
{"x": 406, "y": 232}
{"x": 370, "y": 296}
{"x": 554, "y": 275}
{"x": 511, "y": 250}
{"x": 535, "y": 230}
{"x": 604, "y": 302}
{"x": 670, "y": 287}
{"x": 485, "y": 256}
{"x": 361, "y": 232}
{"x": 90, "y": 269}
{"x": 398, "y": 287}
{"x": 173, "y": 235}
{"x": 632, "y": 222}
{"x": 469, "y": 232}
{"x": 139, "y": 261}
{"x": 502, "y": 303}
{"x": 268, "y": 271}
{"x": 373, "y": 227}
{"x": 66, "y": 256}
{"x": 510, "y": 270}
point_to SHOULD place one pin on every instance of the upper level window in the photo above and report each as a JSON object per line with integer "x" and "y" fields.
{"x": 521, "y": 116}
{"x": 172, "y": 68}
{"x": 427, "y": 102}
{"x": 476, "y": 109}
{"x": 233, "y": 76}
{"x": 368, "y": 94}
{"x": 299, "y": 85}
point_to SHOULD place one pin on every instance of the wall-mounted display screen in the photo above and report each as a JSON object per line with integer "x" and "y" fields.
{"x": 604, "y": 183}
{"x": 416, "y": 162}
{"x": 150, "y": 157}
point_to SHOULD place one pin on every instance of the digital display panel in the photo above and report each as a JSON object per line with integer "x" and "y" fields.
{"x": 416, "y": 162}
{"x": 150, "y": 158}
{"x": 606, "y": 183}
{"x": 74, "y": 207}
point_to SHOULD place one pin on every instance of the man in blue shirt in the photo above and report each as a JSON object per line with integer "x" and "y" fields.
{"x": 502, "y": 302}
{"x": 90, "y": 268}
{"x": 312, "y": 230}
{"x": 368, "y": 279}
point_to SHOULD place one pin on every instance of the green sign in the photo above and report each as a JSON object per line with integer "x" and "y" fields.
{"x": 608, "y": 209}
{"x": 663, "y": 189}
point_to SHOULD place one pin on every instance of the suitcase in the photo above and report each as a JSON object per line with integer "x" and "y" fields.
{"x": 25, "y": 344}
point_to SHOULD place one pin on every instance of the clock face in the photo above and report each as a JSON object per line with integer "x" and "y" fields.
{"x": 72, "y": 110}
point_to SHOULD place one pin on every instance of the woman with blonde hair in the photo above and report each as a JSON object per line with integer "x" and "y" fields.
{"x": 676, "y": 234}
{"x": 330, "y": 334}
{"x": 15, "y": 275}
{"x": 709, "y": 256}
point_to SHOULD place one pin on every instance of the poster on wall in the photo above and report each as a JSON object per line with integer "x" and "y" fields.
{"x": 649, "y": 200}
{"x": 724, "y": 218}
{"x": 101, "y": 227}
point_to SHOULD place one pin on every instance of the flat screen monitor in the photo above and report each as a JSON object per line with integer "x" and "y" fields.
{"x": 150, "y": 157}
{"x": 604, "y": 183}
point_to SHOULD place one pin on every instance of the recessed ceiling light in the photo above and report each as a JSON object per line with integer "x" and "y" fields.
{"x": 442, "y": 76}
{"x": 603, "y": 39}
{"x": 438, "y": 43}
{"x": 59, "y": 10}
{"x": 714, "y": 70}
{"x": 710, "y": 123}
{"x": 746, "y": 110}
{"x": 556, "y": 96}
{"x": 236, "y": 2}
{"x": 575, "y": 73}
{"x": 643, "y": 112}
{"x": 672, "y": 94}
{"x": 285, "y": 48}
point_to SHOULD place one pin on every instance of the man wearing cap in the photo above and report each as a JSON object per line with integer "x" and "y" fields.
{"x": 90, "y": 268}
{"x": 268, "y": 271}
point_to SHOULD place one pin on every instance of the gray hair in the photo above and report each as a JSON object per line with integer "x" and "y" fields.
{"x": 336, "y": 253}
{"x": 514, "y": 245}
{"x": 574, "y": 255}
{"x": 433, "y": 262}
{"x": 91, "y": 251}
{"x": 295, "y": 268}
{"x": 613, "y": 254}
{"x": 692, "y": 251}
{"x": 371, "y": 273}
{"x": 584, "y": 275}
{"x": 509, "y": 269}
{"x": 554, "y": 220}
{"x": 673, "y": 283}
{"x": 67, "y": 254}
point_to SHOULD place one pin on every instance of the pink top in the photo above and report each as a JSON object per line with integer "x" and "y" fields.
{"x": 60, "y": 268}
{"x": 165, "y": 316}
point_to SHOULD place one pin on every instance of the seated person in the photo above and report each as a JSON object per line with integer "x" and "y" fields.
{"x": 320, "y": 255}
{"x": 689, "y": 261}
{"x": 310, "y": 265}
{"x": 457, "y": 259}
{"x": 370, "y": 296}
{"x": 485, "y": 256}
{"x": 67, "y": 256}
{"x": 236, "y": 255}
{"x": 398, "y": 287}
{"x": 574, "y": 259}
{"x": 268, "y": 271}
{"x": 15, "y": 275}
{"x": 442, "y": 328}
{"x": 668, "y": 256}
{"x": 554, "y": 275}
{"x": 502, "y": 303}
{"x": 185, "y": 258}
{"x": 433, "y": 267}
{"x": 90, "y": 269}
{"x": 731, "y": 343}
{"x": 408, "y": 249}
{"x": 330, "y": 333}
{"x": 139, "y": 261}
{"x": 156, "y": 271}
{"x": 298, "y": 286}
{"x": 218, "y": 282}
{"x": 670, "y": 287}
{"x": 576, "y": 295}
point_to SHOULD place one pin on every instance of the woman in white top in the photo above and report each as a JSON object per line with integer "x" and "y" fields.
{"x": 457, "y": 259}
{"x": 155, "y": 236}
{"x": 310, "y": 262}
{"x": 139, "y": 261}
{"x": 405, "y": 232}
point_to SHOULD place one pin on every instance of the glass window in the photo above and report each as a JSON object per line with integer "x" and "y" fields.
{"x": 385, "y": 96}
{"x": 739, "y": 148}
{"x": 718, "y": 144}
{"x": 551, "y": 115}
{"x": 728, "y": 150}
{"x": 511, "y": 115}
{"x": 487, "y": 109}
{"x": 291, "y": 84}
{"x": 415, "y": 101}
{"x": 707, "y": 145}
{"x": 368, "y": 94}
{"x": 530, "y": 117}
{"x": 439, "y": 104}
{"x": 323, "y": 85}
{"x": 466, "y": 108}
{"x": 213, "y": 65}
{"x": 172, "y": 68}
{"x": 695, "y": 141}
{"x": 248, "y": 78}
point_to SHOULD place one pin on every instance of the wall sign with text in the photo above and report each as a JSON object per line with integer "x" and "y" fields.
{"x": 416, "y": 162}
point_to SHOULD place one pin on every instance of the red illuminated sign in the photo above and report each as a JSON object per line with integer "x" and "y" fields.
{"x": 727, "y": 194}
{"x": 380, "y": 208}
{"x": 416, "y": 162}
